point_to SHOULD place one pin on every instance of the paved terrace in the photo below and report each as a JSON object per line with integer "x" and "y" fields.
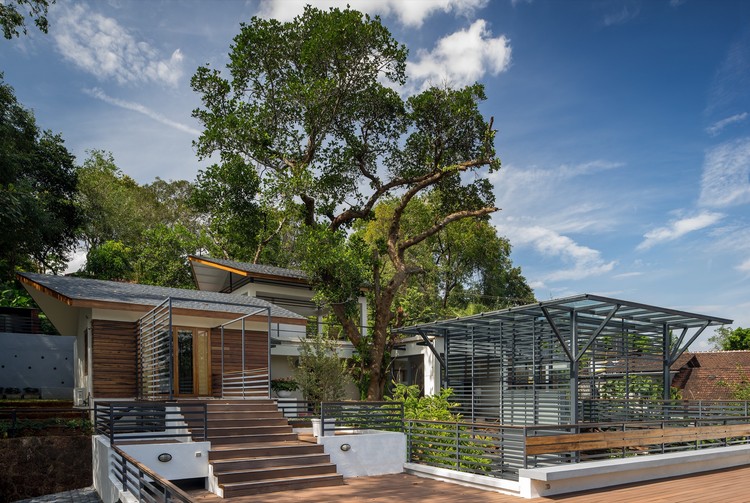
{"x": 727, "y": 486}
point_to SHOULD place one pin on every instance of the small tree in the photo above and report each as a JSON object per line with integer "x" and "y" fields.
{"x": 320, "y": 372}
{"x": 728, "y": 339}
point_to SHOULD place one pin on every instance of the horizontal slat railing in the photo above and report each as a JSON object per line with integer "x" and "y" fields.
{"x": 245, "y": 384}
{"x": 352, "y": 416}
{"x": 144, "y": 484}
{"x": 551, "y": 445}
{"x": 150, "y": 420}
{"x": 484, "y": 449}
{"x": 600, "y": 411}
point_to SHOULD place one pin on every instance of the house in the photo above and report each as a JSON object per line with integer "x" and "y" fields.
{"x": 710, "y": 375}
{"x": 141, "y": 341}
{"x": 413, "y": 361}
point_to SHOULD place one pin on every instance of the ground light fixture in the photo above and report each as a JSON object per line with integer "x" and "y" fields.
{"x": 345, "y": 447}
{"x": 164, "y": 457}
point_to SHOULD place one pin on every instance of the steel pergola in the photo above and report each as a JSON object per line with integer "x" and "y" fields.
{"x": 541, "y": 362}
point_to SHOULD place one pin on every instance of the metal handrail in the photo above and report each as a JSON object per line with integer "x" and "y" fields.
{"x": 361, "y": 415}
{"x": 143, "y": 483}
{"x": 150, "y": 420}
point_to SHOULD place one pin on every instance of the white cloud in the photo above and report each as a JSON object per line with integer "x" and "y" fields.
{"x": 622, "y": 16}
{"x": 409, "y": 13}
{"x": 626, "y": 275}
{"x": 462, "y": 58}
{"x": 100, "y": 46}
{"x": 137, "y": 107}
{"x": 726, "y": 175}
{"x": 744, "y": 266}
{"x": 718, "y": 126}
{"x": 584, "y": 261}
{"x": 557, "y": 203}
{"x": 678, "y": 228}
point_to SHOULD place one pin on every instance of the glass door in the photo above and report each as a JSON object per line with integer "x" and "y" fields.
{"x": 192, "y": 363}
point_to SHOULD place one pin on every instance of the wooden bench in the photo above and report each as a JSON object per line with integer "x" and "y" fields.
{"x": 553, "y": 444}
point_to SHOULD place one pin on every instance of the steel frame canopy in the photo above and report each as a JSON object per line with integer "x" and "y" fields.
{"x": 570, "y": 345}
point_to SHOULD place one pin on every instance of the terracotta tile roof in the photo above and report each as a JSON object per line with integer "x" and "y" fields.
{"x": 709, "y": 375}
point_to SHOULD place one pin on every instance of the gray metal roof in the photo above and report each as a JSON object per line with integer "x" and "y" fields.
{"x": 267, "y": 270}
{"x": 84, "y": 289}
{"x": 220, "y": 275}
{"x": 594, "y": 308}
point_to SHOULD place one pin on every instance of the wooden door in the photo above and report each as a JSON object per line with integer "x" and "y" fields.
{"x": 192, "y": 362}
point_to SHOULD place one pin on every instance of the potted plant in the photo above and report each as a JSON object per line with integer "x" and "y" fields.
{"x": 284, "y": 386}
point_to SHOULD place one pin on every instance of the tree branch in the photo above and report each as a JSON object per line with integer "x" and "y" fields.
{"x": 440, "y": 225}
{"x": 263, "y": 243}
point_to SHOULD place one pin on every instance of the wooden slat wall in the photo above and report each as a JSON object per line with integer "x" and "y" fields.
{"x": 114, "y": 358}
{"x": 256, "y": 354}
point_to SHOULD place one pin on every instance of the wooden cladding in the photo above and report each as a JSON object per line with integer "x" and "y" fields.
{"x": 631, "y": 438}
{"x": 256, "y": 353}
{"x": 114, "y": 358}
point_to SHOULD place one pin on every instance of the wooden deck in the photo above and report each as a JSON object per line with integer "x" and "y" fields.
{"x": 727, "y": 486}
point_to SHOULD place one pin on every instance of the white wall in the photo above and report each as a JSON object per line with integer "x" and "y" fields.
{"x": 371, "y": 452}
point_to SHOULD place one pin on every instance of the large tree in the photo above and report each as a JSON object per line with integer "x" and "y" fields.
{"x": 38, "y": 215}
{"x": 311, "y": 105}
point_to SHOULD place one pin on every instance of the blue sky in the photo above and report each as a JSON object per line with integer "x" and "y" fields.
{"x": 624, "y": 125}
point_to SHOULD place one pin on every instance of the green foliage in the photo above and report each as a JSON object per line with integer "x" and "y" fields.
{"x": 116, "y": 208}
{"x": 284, "y": 384}
{"x": 320, "y": 372}
{"x": 109, "y": 260}
{"x": 728, "y": 339}
{"x": 335, "y": 264}
{"x": 310, "y": 105}
{"x": 632, "y": 386}
{"x": 13, "y": 17}
{"x": 141, "y": 233}
{"x": 430, "y": 408}
{"x": 37, "y": 193}
{"x": 226, "y": 194}
{"x": 162, "y": 258}
{"x": 740, "y": 390}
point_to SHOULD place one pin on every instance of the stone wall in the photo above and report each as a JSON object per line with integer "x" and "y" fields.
{"x": 34, "y": 466}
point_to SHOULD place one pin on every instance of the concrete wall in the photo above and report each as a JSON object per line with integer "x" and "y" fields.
{"x": 370, "y": 452}
{"x": 38, "y": 361}
{"x": 189, "y": 460}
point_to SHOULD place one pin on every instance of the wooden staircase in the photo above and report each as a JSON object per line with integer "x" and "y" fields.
{"x": 254, "y": 451}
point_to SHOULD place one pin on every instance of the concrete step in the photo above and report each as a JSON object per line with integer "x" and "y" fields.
{"x": 235, "y": 489}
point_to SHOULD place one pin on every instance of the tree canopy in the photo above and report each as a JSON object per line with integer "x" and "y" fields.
{"x": 313, "y": 105}
{"x": 729, "y": 339}
{"x": 37, "y": 187}
{"x": 13, "y": 15}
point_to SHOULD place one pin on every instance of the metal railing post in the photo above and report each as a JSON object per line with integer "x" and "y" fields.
{"x": 458, "y": 449}
{"x": 205, "y": 421}
{"x": 111, "y": 425}
{"x": 322, "y": 420}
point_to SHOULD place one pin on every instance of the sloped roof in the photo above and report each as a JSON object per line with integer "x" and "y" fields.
{"x": 215, "y": 274}
{"x": 86, "y": 292}
{"x": 710, "y": 375}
